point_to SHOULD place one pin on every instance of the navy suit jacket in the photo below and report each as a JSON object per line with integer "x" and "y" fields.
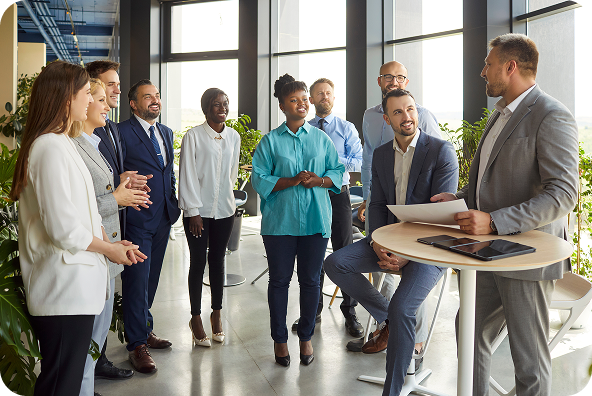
{"x": 434, "y": 169}
{"x": 115, "y": 160}
{"x": 139, "y": 154}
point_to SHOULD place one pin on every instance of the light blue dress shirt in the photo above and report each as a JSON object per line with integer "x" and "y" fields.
{"x": 295, "y": 211}
{"x": 376, "y": 133}
{"x": 346, "y": 139}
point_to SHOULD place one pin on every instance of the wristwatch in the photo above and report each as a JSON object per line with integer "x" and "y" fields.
{"x": 492, "y": 225}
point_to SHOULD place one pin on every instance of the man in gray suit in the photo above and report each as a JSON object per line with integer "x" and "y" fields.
{"x": 407, "y": 170}
{"x": 524, "y": 176}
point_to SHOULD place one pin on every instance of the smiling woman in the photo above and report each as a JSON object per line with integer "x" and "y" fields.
{"x": 293, "y": 168}
{"x": 208, "y": 171}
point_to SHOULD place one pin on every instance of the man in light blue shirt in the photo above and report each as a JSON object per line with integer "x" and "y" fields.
{"x": 346, "y": 139}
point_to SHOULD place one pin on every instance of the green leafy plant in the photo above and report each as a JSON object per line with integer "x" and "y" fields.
{"x": 250, "y": 138}
{"x": 18, "y": 343}
{"x": 582, "y": 255}
{"x": 12, "y": 125}
{"x": 117, "y": 318}
{"x": 465, "y": 140}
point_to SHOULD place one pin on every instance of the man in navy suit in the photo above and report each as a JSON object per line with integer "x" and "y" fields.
{"x": 147, "y": 146}
{"x": 110, "y": 148}
{"x": 405, "y": 171}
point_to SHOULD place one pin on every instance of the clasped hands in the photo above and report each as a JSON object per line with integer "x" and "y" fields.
{"x": 126, "y": 253}
{"x": 307, "y": 179}
{"x": 388, "y": 260}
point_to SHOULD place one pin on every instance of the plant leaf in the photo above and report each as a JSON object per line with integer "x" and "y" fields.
{"x": 17, "y": 371}
{"x": 8, "y": 106}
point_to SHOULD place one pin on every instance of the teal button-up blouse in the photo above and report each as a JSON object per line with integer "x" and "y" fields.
{"x": 295, "y": 211}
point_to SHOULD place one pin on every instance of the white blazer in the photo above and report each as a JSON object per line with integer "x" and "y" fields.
{"x": 58, "y": 218}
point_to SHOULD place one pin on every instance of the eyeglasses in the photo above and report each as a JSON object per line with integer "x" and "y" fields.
{"x": 389, "y": 77}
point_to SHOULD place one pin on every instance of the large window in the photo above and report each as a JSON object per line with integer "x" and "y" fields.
{"x": 203, "y": 54}
{"x": 427, "y": 39}
{"x": 310, "y": 44}
{"x": 563, "y": 42}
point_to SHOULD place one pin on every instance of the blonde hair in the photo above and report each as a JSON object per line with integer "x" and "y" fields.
{"x": 78, "y": 126}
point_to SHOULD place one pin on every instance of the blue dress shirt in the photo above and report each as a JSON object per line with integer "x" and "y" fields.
{"x": 295, "y": 211}
{"x": 376, "y": 133}
{"x": 346, "y": 139}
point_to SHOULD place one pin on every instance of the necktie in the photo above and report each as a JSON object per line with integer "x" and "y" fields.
{"x": 156, "y": 146}
{"x": 108, "y": 132}
{"x": 322, "y": 124}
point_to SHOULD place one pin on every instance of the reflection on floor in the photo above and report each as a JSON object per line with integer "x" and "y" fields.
{"x": 244, "y": 364}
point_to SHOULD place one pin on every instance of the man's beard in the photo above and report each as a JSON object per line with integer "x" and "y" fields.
{"x": 147, "y": 114}
{"x": 324, "y": 108}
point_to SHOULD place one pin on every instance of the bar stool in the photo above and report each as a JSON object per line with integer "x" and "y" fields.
{"x": 412, "y": 379}
{"x": 573, "y": 293}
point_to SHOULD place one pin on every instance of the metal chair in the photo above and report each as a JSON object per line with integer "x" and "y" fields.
{"x": 413, "y": 379}
{"x": 573, "y": 293}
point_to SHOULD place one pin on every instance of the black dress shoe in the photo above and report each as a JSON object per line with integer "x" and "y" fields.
{"x": 98, "y": 394}
{"x": 109, "y": 371}
{"x": 306, "y": 359}
{"x": 353, "y": 326}
{"x": 295, "y": 324}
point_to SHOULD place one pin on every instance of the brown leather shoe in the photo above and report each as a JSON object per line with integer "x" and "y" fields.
{"x": 377, "y": 343}
{"x": 156, "y": 342}
{"x": 141, "y": 359}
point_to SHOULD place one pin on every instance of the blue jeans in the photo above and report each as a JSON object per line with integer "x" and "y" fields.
{"x": 346, "y": 266}
{"x": 281, "y": 251}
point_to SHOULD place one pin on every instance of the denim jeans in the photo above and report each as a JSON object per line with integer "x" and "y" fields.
{"x": 346, "y": 268}
{"x": 281, "y": 251}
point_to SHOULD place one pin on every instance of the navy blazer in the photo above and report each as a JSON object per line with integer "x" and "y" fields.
{"x": 434, "y": 169}
{"x": 139, "y": 154}
{"x": 114, "y": 159}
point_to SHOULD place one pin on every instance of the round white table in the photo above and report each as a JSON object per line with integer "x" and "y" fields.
{"x": 401, "y": 239}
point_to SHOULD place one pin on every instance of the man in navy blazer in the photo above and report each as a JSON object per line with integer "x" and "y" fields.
{"x": 147, "y": 146}
{"x": 406, "y": 170}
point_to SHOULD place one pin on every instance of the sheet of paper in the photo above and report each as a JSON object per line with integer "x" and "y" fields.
{"x": 433, "y": 213}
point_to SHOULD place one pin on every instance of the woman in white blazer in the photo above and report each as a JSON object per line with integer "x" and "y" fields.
{"x": 62, "y": 245}
{"x": 208, "y": 170}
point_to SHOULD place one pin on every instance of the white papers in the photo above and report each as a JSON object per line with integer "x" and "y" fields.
{"x": 433, "y": 213}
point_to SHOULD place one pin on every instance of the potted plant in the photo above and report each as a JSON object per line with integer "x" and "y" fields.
{"x": 249, "y": 139}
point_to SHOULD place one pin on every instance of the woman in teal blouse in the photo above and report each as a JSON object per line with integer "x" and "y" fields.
{"x": 293, "y": 168}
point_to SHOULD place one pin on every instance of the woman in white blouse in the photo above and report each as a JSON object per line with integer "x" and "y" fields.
{"x": 208, "y": 173}
{"x": 62, "y": 245}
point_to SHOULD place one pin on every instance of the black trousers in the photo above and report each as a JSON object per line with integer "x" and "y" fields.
{"x": 216, "y": 234}
{"x": 341, "y": 236}
{"x": 64, "y": 341}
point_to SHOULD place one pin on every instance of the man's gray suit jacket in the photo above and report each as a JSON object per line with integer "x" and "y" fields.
{"x": 104, "y": 187}
{"x": 531, "y": 179}
{"x": 434, "y": 169}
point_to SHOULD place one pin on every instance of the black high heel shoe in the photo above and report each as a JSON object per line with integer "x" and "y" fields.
{"x": 306, "y": 359}
{"x": 281, "y": 360}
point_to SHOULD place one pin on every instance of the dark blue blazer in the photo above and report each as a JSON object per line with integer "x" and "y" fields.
{"x": 139, "y": 154}
{"x": 114, "y": 159}
{"x": 434, "y": 169}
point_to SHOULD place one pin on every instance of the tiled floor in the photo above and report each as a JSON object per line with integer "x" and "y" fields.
{"x": 244, "y": 364}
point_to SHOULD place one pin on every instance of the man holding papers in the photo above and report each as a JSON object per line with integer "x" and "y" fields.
{"x": 524, "y": 176}
{"x": 407, "y": 170}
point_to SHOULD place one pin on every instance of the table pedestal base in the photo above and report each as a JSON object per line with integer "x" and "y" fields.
{"x": 412, "y": 383}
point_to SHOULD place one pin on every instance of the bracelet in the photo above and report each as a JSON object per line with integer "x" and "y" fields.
{"x": 322, "y": 181}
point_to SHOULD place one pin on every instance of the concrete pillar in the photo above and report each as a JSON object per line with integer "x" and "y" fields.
{"x": 31, "y": 58}
{"x": 8, "y": 66}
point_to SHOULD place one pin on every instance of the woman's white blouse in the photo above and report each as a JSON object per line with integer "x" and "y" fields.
{"x": 208, "y": 170}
